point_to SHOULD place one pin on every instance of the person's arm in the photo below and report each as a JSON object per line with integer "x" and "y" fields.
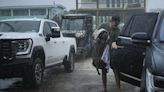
{"x": 114, "y": 45}
{"x": 116, "y": 34}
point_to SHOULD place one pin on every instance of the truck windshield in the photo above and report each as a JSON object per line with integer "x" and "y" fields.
{"x": 19, "y": 26}
{"x": 72, "y": 24}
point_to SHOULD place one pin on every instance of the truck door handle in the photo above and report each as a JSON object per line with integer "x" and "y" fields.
{"x": 55, "y": 42}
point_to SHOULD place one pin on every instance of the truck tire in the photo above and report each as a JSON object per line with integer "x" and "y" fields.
{"x": 34, "y": 76}
{"x": 69, "y": 64}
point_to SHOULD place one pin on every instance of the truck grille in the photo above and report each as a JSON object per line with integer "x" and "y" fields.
{"x": 7, "y": 51}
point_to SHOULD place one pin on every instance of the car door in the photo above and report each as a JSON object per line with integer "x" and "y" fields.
{"x": 59, "y": 44}
{"x": 48, "y": 44}
{"x": 129, "y": 56}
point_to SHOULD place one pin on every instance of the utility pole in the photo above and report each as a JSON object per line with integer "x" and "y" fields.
{"x": 107, "y": 1}
{"x": 145, "y": 4}
{"x": 77, "y": 6}
{"x": 97, "y": 15}
{"x": 123, "y": 13}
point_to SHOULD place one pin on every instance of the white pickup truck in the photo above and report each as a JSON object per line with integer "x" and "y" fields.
{"x": 28, "y": 46}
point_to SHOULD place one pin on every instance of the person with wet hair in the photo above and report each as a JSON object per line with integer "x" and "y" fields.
{"x": 105, "y": 41}
{"x": 101, "y": 52}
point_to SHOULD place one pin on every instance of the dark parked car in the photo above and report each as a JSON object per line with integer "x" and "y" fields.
{"x": 141, "y": 52}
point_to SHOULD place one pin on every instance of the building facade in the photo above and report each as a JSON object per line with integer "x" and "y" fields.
{"x": 107, "y": 8}
{"x": 29, "y": 8}
{"x": 90, "y": 4}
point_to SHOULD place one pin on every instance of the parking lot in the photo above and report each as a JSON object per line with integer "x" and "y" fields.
{"x": 83, "y": 79}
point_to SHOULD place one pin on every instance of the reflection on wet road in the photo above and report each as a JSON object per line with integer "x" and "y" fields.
{"x": 83, "y": 79}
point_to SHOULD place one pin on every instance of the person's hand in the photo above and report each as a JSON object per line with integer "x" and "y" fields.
{"x": 114, "y": 45}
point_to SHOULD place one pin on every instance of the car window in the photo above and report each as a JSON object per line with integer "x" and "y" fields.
{"x": 22, "y": 26}
{"x": 5, "y": 27}
{"x": 52, "y": 24}
{"x": 161, "y": 32}
{"x": 127, "y": 28}
{"x": 140, "y": 23}
{"x": 72, "y": 24}
{"x": 143, "y": 23}
{"x": 46, "y": 29}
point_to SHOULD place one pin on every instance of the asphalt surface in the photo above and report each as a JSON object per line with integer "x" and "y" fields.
{"x": 83, "y": 79}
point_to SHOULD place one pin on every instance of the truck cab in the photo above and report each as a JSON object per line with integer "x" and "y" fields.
{"x": 80, "y": 27}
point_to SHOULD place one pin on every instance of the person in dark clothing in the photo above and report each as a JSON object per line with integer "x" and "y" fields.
{"x": 113, "y": 33}
{"x": 101, "y": 51}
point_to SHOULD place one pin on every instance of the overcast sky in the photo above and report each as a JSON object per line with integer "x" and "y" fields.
{"x": 69, "y": 4}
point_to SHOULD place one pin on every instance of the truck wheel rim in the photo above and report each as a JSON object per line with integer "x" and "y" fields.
{"x": 38, "y": 73}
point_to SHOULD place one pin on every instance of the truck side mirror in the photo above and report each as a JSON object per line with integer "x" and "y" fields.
{"x": 55, "y": 34}
{"x": 55, "y": 29}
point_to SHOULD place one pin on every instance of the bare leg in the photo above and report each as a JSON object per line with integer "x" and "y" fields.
{"x": 117, "y": 78}
{"x": 104, "y": 79}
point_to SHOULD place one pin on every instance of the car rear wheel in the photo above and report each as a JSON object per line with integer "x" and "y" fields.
{"x": 69, "y": 64}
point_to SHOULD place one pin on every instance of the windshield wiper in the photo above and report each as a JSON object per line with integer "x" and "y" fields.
{"x": 12, "y": 28}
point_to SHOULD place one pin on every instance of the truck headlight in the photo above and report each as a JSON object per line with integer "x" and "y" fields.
{"x": 24, "y": 46}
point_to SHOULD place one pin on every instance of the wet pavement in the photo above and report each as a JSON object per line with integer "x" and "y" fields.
{"x": 83, "y": 79}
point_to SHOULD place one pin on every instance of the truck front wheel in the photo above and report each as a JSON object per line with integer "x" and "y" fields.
{"x": 34, "y": 76}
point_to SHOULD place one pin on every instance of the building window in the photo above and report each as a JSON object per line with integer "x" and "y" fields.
{"x": 92, "y": 0}
{"x": 118, "y": 3}
{"x": 113, "y": 3}
{"x": 5, "y": 13}
{"x": 137, "y": 1}
{"x": 20, "y": 12}
{"x": 130, "y": 1}
{"x": 38, "y": 12}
